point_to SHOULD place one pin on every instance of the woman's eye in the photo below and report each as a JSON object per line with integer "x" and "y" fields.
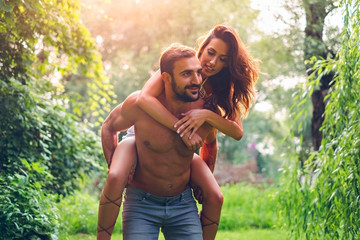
{"x": 211, "y": 53}
{"x": 223, "y": 59}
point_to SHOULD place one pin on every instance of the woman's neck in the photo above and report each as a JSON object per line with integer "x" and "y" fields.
{"x": 205, "y": 89}
{"x": 207, "y": 85}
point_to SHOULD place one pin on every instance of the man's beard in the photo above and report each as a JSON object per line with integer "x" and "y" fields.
{"x": 182, "y": 96}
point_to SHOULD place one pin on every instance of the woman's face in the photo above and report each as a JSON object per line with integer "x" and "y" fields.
{"x": 214, "y": 57}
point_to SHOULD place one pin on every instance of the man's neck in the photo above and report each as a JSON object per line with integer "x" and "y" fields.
{"x": 175, "y": 106}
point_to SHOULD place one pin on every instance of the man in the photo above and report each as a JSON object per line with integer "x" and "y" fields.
{"x": 159, "y": 194}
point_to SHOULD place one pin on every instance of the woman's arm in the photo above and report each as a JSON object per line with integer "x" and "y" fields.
{"x": 147, "y": 101}
{"x": 193, "y": 119}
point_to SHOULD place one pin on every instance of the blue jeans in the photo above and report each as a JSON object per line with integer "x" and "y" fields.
{"x": 144, "y": 214}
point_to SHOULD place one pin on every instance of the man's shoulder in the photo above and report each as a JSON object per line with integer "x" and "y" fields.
{"x": 131, "y": 100}
{"x": 130, "y": 106}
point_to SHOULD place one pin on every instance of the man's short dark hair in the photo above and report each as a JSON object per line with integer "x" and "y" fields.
{"x": 172, "y": 54}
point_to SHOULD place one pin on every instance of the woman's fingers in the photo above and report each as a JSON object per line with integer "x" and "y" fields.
{"x": 184, "y": 129}
{"x": 193, "y": 131}
{"x": 181, "y": 121}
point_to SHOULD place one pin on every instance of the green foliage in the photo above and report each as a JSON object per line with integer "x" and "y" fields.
{"x": 36, "y": 132}
{"x": 45, "y": 40}
{"x": 322, "y": 198}
{"x": 26, "y": 213}
{"x": 44, "y": 149}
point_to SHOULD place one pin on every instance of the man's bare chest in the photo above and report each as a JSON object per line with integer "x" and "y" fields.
{"x": 159, "y": 139}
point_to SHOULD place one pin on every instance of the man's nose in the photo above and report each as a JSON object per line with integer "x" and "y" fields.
{"x": 197, "y": 79}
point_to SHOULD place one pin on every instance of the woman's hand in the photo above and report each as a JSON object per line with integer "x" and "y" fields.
{"x": 191, "y": 122}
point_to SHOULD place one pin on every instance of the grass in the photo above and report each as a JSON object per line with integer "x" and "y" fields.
{"x": 248, "y": 234}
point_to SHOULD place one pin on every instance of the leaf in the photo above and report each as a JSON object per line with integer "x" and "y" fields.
{"x": 7, "y": 7}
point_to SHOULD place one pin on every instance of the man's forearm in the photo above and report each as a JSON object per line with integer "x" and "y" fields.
{"x": 109, "y": 140}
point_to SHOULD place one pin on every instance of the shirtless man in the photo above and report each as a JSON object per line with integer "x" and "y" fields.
{"x": 159, "y": 195}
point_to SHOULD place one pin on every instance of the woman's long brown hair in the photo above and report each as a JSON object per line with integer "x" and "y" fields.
{"x": 233, "y": 87}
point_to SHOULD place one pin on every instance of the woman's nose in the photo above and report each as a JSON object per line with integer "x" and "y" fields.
{"x": 213, "y": 61}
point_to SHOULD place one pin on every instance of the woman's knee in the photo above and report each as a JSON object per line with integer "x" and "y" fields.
{"x": 115, "y": 178}
{"x": 214, "y": 197}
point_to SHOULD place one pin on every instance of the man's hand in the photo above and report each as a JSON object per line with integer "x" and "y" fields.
{"x": 198, "y": 194}
{"x": 194, "y": 143}
{"x": 131, "y": 173}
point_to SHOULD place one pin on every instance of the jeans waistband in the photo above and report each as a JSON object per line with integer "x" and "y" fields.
{"x": 150, "y": 196}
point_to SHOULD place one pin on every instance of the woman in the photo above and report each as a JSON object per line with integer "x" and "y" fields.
{"x": 229, "y": 75}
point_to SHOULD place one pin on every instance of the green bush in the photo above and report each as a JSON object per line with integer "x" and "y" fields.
{"x": 44, "y": 147}
{"x": 26, "y": 213}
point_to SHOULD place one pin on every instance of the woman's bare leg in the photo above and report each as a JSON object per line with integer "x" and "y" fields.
{"x": 122, "y": 164}
{"x": 212, "y": 198}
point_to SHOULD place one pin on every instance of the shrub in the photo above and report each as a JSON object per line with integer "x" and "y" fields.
{"x": 44, "y": 149}
{"x": 26, "y": 213}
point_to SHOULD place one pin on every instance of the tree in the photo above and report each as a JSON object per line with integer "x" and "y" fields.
{"x": 322, "y": 198}
{"x": 314, "y": 45}
{"x": 316, "y": 39}
{"x": 44, "y": 148}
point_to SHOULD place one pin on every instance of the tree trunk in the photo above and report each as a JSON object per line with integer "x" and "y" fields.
{"x": 316, "y": 12}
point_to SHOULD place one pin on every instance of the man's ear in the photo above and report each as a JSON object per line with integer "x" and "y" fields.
{"x": 166, "y": 77}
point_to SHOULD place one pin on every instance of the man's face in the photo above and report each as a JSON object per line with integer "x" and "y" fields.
{"x": 186, "y": 79}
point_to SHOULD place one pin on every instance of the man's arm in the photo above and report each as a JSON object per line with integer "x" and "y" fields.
{"x": 115, "y": 122}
